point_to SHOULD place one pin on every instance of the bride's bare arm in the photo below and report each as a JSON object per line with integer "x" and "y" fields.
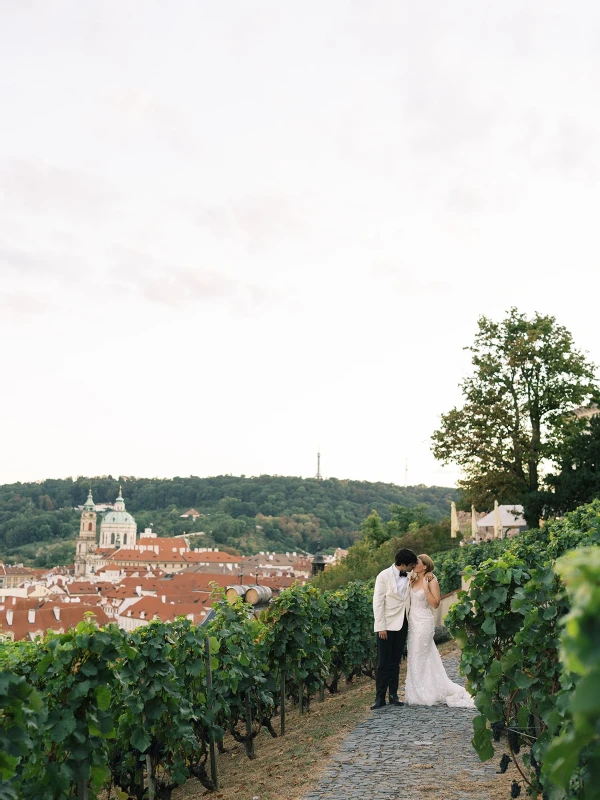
{"x": 432, "y": 592}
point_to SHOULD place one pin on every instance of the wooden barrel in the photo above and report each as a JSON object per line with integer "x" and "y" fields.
{"x": 233, "y": 592}
{"x": 258, "y": 595}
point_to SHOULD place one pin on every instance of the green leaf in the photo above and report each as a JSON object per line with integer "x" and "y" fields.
{"x": 89, "y": 669}
{"x": 523, "y": 681}
{"x": 140, "y": 740}
{"x": 482, "y": 740}
{"x": 103, "y": 697}
{"x": 586, "y": 697}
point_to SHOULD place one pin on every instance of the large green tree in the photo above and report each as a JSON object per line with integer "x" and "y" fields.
{"x": 578, "y": 480}
{"x": 528, "y": 378}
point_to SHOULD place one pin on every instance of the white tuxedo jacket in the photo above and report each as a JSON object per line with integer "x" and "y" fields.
{"x": 389, "y": 609}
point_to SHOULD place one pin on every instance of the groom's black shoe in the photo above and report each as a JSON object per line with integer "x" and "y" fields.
{"x": 379, "y": 703}
{"x": 394, "y": 700}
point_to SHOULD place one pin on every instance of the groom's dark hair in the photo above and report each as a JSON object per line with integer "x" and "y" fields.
{"x": 405, "y": 556}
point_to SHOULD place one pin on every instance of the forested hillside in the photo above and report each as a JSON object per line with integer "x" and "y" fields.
{"x": 38, "y": 521}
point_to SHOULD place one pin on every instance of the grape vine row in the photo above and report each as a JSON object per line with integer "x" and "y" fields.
{"x": 530, "y": 651}
{"x": 95, "y": 710}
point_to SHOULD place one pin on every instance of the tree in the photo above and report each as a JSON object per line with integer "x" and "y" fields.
{"x": 578, "y": 481}
{"x": 45, "y": 503}
{"x": 407, "y": 519}
{"x": 527, "y": 380}
{"x": 373, "y": 531}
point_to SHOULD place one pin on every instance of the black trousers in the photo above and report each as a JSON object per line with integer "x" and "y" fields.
{"x": 389, "y": 653}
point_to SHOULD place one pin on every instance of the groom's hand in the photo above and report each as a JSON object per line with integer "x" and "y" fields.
{"x": 383, "y": 634}
{"x": 429, "y": 577}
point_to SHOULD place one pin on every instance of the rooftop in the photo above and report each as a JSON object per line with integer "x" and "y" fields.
{"x": 510, "y": 517}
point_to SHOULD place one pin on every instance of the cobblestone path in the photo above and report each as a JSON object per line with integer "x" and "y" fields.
{"x": 411, "y": 753}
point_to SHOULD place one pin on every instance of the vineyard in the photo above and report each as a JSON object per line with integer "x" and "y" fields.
{"x": 136, "y": 714}
{"x": 529, "y": 631}
{"x": 449, "y": 565}
{"x": 104, "y": 713}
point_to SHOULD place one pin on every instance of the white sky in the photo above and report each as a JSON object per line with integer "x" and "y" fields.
{"x": 231, "y": 232}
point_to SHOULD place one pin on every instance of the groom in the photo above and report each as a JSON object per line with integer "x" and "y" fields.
{"x": 391, "y": 604}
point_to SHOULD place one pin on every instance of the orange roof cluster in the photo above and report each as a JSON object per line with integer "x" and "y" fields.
{"x": 170, "y": 542}
{"x": 168, "y": 556}
{"x": 140, "y": 573}
{"x": 203, "y": 580}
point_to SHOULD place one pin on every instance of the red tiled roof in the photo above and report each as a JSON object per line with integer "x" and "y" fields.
{"x": 202, "y": 581}
{"x": 216, "y": 557}
{"x": 192, "y": 598}
{"x": 148, "y": 584}
{"x": 152, "y": 607}
{"x": 20, "y": 602}
{"x": 171, "y": 542}
{"x": 119, "y": 593}
{"x": 147, "y": 556}
{"x": 26, "y": 572}
{"x": 199, "y": 581}
{"x": 82, "y": 587}
{"x": 45, "y": 619}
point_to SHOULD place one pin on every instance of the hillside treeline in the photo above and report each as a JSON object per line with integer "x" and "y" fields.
{"x": 246, "y": 514}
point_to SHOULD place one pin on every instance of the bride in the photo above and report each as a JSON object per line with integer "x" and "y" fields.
{"x": 426, "y": 681}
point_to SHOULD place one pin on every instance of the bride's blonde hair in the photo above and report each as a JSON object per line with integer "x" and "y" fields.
{"x": 427, "y": 561}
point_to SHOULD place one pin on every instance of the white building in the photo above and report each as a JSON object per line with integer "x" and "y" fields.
{"x": 118, "y": 528}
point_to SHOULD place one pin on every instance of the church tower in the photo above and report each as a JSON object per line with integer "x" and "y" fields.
{"x": 86, "y": 543}
{"x": 118, "y": 528}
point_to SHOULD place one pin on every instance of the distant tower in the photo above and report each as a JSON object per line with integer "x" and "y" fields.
{"x": 406, "y": 473}
{"x": 318, "y": 562}
{"x": 319, "y": 476}
{"x": 86, "y": 543}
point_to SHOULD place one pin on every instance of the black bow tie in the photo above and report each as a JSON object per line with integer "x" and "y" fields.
{"x": 402, "y": 574}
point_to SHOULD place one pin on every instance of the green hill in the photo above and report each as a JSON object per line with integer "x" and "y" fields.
{"x": 38, "y": 521}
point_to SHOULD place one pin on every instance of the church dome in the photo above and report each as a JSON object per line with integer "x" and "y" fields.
{"x": 118, "y": 518}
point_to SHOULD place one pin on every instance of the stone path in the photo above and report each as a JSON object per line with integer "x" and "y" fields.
{"x": 410, "y": 753}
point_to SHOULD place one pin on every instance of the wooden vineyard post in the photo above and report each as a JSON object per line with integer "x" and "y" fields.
{"x": 301, "y": 696}
{"x": 213, "y": 755}
{"x": 82, "y": 790}
{"x": 150, "y": 779}
{"x": 249, "y": 725}
{"x": 282, "y": 703}
{"x": 322, "y": 692}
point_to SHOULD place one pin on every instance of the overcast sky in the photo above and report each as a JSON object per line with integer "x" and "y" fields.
{"x": 232, "y": 232}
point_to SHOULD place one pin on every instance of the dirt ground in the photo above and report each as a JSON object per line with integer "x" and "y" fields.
{"x": 288, "y": 767}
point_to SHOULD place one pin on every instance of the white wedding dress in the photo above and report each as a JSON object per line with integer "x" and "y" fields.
{"x": 426, "y": 681}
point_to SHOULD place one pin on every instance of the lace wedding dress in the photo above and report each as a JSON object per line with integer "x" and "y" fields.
{"x": 426, "y": 681}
